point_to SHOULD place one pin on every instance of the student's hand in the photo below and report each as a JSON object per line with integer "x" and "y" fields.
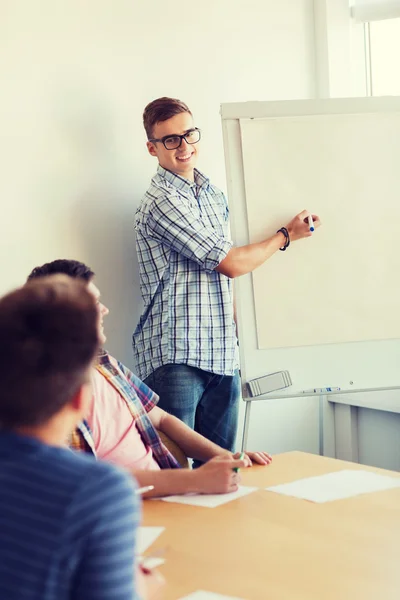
{"x": 217, "y": 475}
{"x": 260, "y": 458}
{"x": 299, "y": 227}
{"x": 150, "y": 584}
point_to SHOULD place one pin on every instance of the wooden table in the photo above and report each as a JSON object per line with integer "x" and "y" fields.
{"x": 266, "y": 545}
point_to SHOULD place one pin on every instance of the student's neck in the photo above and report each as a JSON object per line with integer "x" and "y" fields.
{"x": 189, "y": 175}
{"x": 51, "y": 434}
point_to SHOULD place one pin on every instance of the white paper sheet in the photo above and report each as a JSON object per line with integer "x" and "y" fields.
{"x": 336, "y": 486}
{"x": 146, "y": 537}
{"x": 210, "y": 500}
{"x": 201, "y": 595}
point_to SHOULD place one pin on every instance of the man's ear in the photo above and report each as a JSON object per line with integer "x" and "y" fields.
{"x": 151, "y": 148}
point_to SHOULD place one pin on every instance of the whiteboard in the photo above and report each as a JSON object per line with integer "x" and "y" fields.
{"x": 328, "y": 308}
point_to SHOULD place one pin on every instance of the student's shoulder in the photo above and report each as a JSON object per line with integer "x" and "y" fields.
{"x": 118, "y": 367}
{"x": 79, "y": 465}
{"x": 141, "y": 389}
{"x": 160, "y": 185}
{"x": 115, "y": 368}
{"x": 159, "y": 191}
{"x": 110, "y": 475}
{"x": 92, "y": 476}
{"x": 97, "y": 491}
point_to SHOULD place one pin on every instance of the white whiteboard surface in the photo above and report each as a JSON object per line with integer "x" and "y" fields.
{"x": 280, "y": 158}
{"x": 337, "y": 286}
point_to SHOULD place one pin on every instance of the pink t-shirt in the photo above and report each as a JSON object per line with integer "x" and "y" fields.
{"x": 114, "y": 431}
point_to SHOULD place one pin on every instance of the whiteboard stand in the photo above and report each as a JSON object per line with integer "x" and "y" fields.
{"x": 321, "y": 426}
{"x": 338, "y": 414}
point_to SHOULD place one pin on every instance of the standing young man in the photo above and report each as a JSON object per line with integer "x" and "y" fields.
{"x": 185, "y": 343}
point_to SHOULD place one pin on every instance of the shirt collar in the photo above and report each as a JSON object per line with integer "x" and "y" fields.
{"x": 200, "y": 180}
{"x": 102, "y": 357}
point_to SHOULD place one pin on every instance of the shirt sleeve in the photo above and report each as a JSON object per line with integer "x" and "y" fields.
{"x": 106, "y": 516}
{"x": 171, "y": 221}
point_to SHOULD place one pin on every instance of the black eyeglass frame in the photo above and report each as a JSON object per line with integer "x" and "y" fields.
{"x": 182, "y": 137}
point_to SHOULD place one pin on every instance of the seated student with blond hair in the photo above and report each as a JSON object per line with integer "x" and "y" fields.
{"x": 67, "y": 522}
{"x": 123, "y": 421}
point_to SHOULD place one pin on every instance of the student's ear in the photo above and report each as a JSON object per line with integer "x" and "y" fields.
{"x": 151, "y": 148}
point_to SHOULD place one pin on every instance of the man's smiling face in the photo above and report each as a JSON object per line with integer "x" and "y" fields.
{"x": 182, "y": 160}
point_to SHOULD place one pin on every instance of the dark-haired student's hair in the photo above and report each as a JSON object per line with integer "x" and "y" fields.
{"x": 48, "y": 341}
{"x": 72, "y": 268}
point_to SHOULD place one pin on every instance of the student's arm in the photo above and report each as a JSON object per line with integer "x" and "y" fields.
{"x": 172, "y": 222}
{"x": 195, "y": 445}
{"x": 192, "y": 443}
{"x": 215, "y": 477}
{"x": 104, "y": 520}
{"x": 245, "y": 259}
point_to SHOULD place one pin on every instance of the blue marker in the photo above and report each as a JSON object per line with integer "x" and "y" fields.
{"x": 311, "y": 223}
{"x": 321, "y": 390}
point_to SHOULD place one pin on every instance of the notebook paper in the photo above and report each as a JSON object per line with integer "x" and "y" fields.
{"x": 146, "y": 536}
{"x": 336, "y": 486}
{"x": 210, "y": 500}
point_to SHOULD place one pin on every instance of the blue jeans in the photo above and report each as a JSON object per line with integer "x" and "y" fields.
{"x": 206, "y": 402}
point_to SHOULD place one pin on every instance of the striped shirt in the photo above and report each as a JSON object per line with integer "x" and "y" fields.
{"x": 67, "y": 525}
{"x": 139, "y": 400}
{"x": 181, "y": 237}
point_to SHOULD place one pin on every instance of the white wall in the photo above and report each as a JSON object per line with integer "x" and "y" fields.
{"x": 385, "y": 52}
{"x": 75, "y": 77}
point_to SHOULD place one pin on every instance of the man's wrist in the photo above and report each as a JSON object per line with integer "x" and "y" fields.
{"x": 281, "y": 238}
{"x": 191, "y": 479}
{"x": 225, "y": 454}
{"x": 286, "y": 235}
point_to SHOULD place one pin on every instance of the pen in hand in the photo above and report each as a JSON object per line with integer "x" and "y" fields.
{"x": 311, "y": 222}
{"x": 144, "y": 490}
{"x": 241, "y": 457}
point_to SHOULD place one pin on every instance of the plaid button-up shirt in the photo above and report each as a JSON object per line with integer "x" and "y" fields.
{"x": 181, "y": 236}
{"x": 139, "y": 400}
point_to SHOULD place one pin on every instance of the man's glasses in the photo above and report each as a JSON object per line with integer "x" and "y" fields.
{"x": 172, "y": 142}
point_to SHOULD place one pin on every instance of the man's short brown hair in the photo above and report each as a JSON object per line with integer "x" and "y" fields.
{"x": 161, "y": 109}
{"x": 48, "y": 340}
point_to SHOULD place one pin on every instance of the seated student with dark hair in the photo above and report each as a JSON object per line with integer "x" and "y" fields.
{"x": 67, "y": 522}
{"x": 123, "y": 419}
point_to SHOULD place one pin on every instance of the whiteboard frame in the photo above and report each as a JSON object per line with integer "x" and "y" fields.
{"x": 300, "y": 108}
{"x": 230, "y": 115}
